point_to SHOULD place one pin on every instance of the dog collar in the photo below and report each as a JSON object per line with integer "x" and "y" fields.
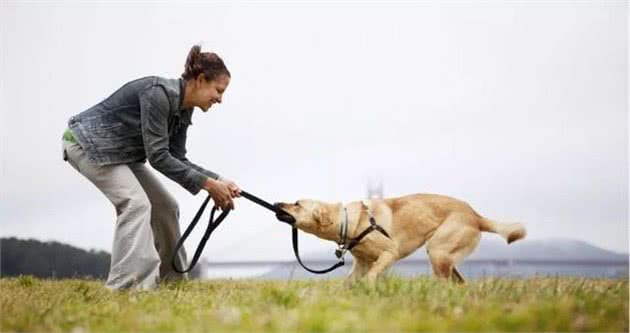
{"x": 343, "y": 233}
{"x": 343, "y": 227}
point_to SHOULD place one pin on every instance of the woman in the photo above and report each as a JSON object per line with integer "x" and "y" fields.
{"x": 147, "y": 119}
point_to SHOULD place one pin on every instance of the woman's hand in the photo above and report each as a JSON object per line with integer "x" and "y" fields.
{"x": 220, "y": 192}
{"x": 235, "y": 191}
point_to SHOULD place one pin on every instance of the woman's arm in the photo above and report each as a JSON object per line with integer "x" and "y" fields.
{"x": 178, "y": 150}
{"x": 154, "y": 112}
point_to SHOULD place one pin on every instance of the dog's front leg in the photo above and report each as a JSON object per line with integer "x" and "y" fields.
{"x": 359, "y": 269}
{"x": 385, "y": 259}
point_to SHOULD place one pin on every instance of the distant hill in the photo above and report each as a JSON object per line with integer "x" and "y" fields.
{"x": 55, "y": 260}
{"x": 554, "y": 249}
{"x": 50, "y": 259}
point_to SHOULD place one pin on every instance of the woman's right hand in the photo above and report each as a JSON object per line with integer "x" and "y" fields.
{"x": 220, "y": 193}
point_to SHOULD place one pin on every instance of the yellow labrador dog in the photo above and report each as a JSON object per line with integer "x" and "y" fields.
{"x": 450, "y": 228}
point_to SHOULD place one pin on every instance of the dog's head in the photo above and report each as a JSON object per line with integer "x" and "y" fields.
{"x": 308, "y": 215}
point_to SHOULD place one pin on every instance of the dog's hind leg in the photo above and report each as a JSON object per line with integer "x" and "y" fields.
{"x": 454, "y": 240}
{"x": 457, "y": 276}
{"x": 443, "y": 267}
{"x": 442, "y": 264}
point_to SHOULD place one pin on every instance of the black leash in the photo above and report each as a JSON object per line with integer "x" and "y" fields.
{"x": 213, "y": 224}
{"x": 294, "y": 236}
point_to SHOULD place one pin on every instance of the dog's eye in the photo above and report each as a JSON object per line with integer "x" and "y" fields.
{"x": 297, "y": 203}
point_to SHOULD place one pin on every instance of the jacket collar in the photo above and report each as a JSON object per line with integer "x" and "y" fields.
{"x": 182, "y": 91}
{"x": 186, "y": 113}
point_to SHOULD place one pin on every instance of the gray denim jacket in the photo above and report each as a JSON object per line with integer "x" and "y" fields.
{"x": 144, "y": 119}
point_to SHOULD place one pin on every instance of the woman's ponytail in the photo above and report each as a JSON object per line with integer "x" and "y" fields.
{"x": 207, "y": 63}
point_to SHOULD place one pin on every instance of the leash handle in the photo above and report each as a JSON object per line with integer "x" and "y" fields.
{"x": 212, "y": 225}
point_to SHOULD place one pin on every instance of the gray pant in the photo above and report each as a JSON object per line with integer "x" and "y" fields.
{"x": 147, "y": 224}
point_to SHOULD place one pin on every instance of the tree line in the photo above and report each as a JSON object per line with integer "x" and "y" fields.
{"x": 50, "y": 260}
{"x": 54, "y": 260}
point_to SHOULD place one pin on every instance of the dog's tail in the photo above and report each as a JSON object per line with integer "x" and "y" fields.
{"x": 510, "y": 231}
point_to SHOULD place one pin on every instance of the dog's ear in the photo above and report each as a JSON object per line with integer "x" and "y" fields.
{"x": 322, "y": 216}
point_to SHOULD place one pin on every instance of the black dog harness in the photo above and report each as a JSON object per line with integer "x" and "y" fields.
{"x": 347, "y": 245}
{"x": 344, "y": 244}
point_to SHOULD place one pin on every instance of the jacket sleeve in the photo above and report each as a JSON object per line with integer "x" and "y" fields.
{"x": 178, "y": 150}
{"x": 154, "y": 113}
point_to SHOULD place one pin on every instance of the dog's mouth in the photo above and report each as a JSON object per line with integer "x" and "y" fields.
{"x": 284, "y": 216}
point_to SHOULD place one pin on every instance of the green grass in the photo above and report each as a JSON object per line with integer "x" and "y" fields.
{"x": 395, "y": 304}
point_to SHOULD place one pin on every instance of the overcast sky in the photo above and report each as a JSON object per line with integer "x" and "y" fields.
{"x": 520, "y": 109}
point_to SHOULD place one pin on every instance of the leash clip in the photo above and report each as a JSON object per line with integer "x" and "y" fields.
{"x": 340, "y": 252}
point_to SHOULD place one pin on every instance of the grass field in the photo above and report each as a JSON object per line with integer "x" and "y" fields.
{"x": 396, "y": 304}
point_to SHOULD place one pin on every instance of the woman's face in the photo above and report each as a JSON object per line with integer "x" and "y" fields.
{"x": 210, "y": 92}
